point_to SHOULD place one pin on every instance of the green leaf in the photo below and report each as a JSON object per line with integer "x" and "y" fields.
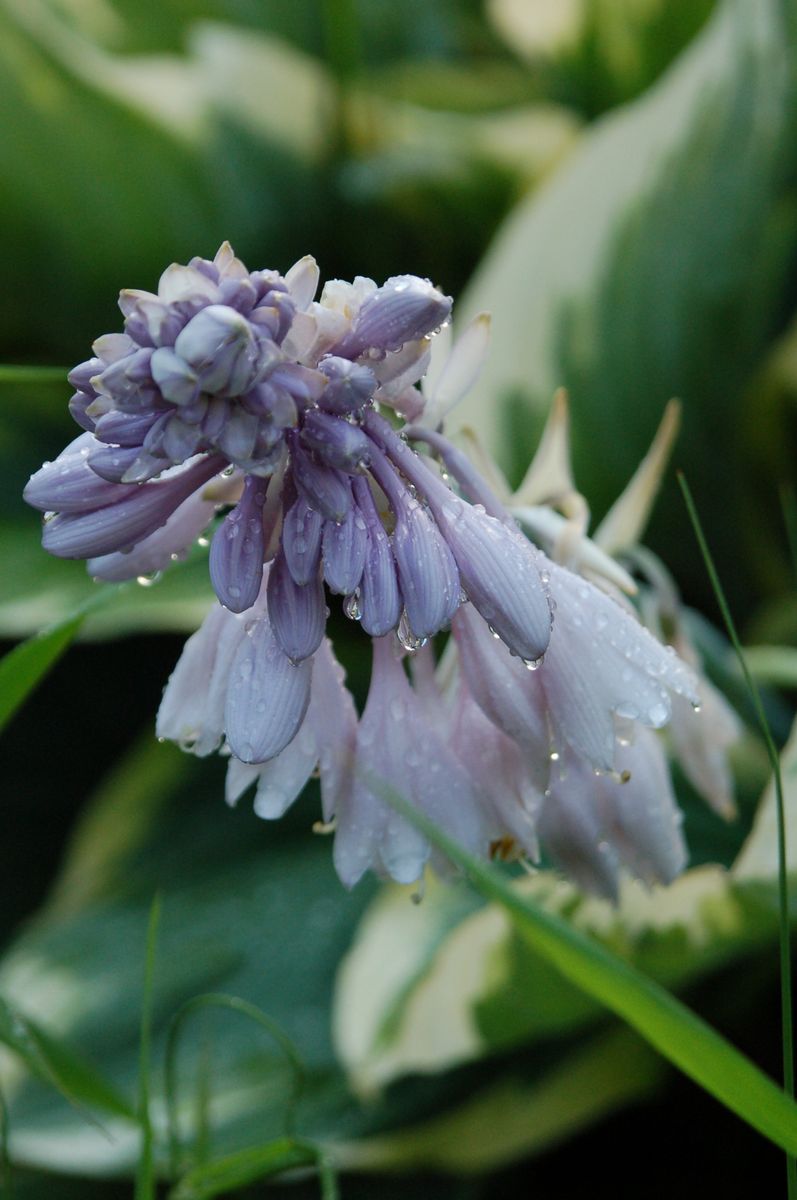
{"x": 670, "y": 1027}
{"x": 428, "y": 988}
{"x": 56, "y": 1065}
{"x": 234, "y": 1171}
{"x": 248, "y": 908}
{"x": 518, "y": 1116}
{"x": 670, "y": 226}
{"x": 775, "y": 665}
{"x": 26, "y": 665}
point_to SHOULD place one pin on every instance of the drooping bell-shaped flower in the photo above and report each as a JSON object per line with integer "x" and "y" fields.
{"x": 236, "y": 393}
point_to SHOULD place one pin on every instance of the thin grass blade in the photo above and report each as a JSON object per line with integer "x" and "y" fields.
{"x": 145, "y": 1175}
{"x": 58, "y": 1066}
{"x": 252, "y": 1013}
{"x": 225, "y": 1175}
{"x": 667, "y": 1024}
{"x": 24, "y": 667}
{"x": 784, "y": 930}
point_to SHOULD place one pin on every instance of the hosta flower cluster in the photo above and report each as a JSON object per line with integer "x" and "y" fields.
{"x": 303, "y": 422}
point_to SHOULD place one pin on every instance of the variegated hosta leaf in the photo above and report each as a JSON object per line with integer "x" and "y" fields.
{"x": 446, "y": 987}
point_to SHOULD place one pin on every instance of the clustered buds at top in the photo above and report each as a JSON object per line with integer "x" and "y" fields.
{"x": 236, "y": 389}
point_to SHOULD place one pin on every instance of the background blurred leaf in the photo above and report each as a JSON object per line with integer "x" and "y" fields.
{"x": 484, "y": 990}
{"x": 654, "y": 264}
{"x": 249, "y": 908}
{"x": 520, "y": 1116}
{"x": 598, "y": 53}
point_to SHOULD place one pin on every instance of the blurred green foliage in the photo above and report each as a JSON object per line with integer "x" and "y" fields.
{"x": 614, "y": 179}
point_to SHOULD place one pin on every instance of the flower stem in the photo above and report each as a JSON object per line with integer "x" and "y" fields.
{"x": 774, "y": 758}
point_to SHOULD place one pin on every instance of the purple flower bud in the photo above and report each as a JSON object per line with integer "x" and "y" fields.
{"x": 114, "y": 462}
{"x": 121, "y": 524}
{"x": 124, "y": 429}
{"x": 302, "y": 383}
{"x": 81, "y": 376}
{"x": 404, "y": 309}
{"x": 336, "y": 441}
{"x": 344, "y": 549}
{"x": 427, "y": 572}
{"x": 301, "y": 541}
{"x": 379, "y": 598}
{"x": 324, "y": 488}
{"x": 237, "y": 549}
{"x": 77, "y": 409}
{"x": 158, "y": 551}
{"x": 297, "y": 613}
{"x": 350, "y": 386}
{"x": 499, "y": 573}
{"x": 69, "y": 485}
{"x": 239, "y": 435}
{"x": 221, "y": 347}
{"x": 177, "y": 381}
{"x": 267, "y": 696}
{"x": 497, "y": 566}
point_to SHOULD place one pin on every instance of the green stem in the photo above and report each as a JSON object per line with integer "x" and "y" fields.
{"x": 774, "y": 758}
{"x": 236, "y": 1004}
{"x": 145, "y": 1175}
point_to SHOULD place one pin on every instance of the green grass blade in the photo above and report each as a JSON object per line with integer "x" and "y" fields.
{"x": 56, "y": 1065}
{"x": 233, "y": 1171}
{"x": 145, "y": 1175}
{"x": 787, "y": 1033}
{"x": 26, "y": 665}
{"x": 6, "y": 1169}
{"x": 667, "y": 1024}
{"x": 253, "y": 1013}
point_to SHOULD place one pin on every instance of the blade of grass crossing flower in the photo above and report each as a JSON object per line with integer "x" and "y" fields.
{"x": 667, "y": 1024}
{"x": 774, "y": 758}
{"x": 253, "y": 1013}
{"x": 233, "y": 1171}
{"x": 26, "y": 665}
{"x": 145, "y": 1174}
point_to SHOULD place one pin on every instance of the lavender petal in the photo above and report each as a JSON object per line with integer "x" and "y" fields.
{"x": 301, "y": 541}
{"x": 297, "y": 613}
{"x": 237, "y": 550}
{"x": 267, "y": 696}
{"x": 122, "y": 524}
{"x": 404, "y": 309}
{"x": 336, "y": 441}
{"x": 324, "y": 488}
{"x": 344, "y": 549}
{"x": 69, "y": 485}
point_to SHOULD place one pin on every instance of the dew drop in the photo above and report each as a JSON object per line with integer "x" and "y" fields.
{"x": 409, "y": 640}
{"x": 352, "y": 607}
{"x": 149, "y": 580}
